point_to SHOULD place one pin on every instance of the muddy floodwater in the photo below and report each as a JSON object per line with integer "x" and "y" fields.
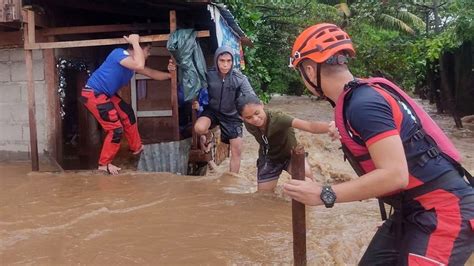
{"x": 86, "y": 218}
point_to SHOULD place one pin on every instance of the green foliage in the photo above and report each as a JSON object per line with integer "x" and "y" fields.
{"x": 382, "y": 52}
{"x": 464, "y": 19}
{"x": 273, "y": 26}
{"x": 459, "y": 29}
{"x": 390, "y": 36}
{"x": 392, "y": 15}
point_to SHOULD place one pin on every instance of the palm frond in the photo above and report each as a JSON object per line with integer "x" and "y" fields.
{"x": 344, "y": 8}
{"x": 395, "y": 23}
{"x": 411, "y": 19}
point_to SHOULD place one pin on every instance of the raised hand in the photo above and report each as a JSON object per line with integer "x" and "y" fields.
{"x": 132, "y": 38}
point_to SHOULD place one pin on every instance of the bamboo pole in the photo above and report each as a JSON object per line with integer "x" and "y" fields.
{"x": 298, "y": 209}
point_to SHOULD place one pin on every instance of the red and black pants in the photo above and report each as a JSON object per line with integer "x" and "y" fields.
{"x": 436, "y": 228}
{"x": 116, "y": 118}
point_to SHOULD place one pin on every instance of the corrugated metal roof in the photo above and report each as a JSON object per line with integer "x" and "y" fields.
{"x": 166, "y": 157}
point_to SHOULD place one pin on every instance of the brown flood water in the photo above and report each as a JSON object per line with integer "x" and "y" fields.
{"x": 159, "y": 218}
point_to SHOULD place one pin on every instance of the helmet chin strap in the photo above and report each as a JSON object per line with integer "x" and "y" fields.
{"x": 316, "y": 87}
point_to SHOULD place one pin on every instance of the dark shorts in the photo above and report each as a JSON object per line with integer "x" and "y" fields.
{"x": 268, "y": 170}
{"x": 231, "y": 127}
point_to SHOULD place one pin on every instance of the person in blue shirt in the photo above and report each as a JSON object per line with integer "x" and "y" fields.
{"x": 114, "y": 115}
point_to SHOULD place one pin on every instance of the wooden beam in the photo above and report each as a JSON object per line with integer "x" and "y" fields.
{"x": 174, "y": 83}
{"x": 11, "y": 25}
{"x": 101, "y": 42}
{"x": 31, "y": 103}
{"x": 157, "y": 113}
{"x": 172, "y": 20}
{"x": 31, "y": 26}
{"x": 102, "y": 29}
{"x": 159, "y": 51}
{"x": 11, "y": 39}
{"x": 52, "y": 103}
{"x": 41, "y": 20}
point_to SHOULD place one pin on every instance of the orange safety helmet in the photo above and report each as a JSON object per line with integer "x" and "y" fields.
{"x": 319, "y": 43}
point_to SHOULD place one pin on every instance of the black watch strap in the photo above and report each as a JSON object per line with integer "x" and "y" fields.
{"x": 328, "y": 197}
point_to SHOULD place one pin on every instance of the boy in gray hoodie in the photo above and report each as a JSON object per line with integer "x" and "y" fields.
{"x": 225, "y": 85}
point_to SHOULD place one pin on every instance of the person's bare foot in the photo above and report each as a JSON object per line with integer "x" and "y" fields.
{"x": 110, "y": 168}
{"x": 206, "y": 142}
{"x": 138, "y": 151}
{"x": 212, "y": 166}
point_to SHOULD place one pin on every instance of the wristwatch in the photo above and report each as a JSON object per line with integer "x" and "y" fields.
{"x": 328, "y": 196}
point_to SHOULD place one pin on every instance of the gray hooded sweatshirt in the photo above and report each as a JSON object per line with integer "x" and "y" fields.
{"x": 224, "y": 92}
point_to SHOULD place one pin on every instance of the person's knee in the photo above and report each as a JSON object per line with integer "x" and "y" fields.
{"x": 200, "y": 127}
{"x": 267, "y": 186}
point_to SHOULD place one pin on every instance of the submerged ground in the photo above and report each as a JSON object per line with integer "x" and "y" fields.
{"x": 137, "y": 218}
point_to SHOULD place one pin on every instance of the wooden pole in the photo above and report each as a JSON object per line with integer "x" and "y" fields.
{"x": 102, "y": 29}
{"x": 298, "y": 209}
{"x": 101, "y": 42}
{"x": 193, "y": 120}
{"x": 174, "y": 84}
{"x": 52, "y": 103}
{"x": 29, "y": 36}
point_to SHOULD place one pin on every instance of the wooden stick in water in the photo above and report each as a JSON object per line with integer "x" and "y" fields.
{"x": 298, "y": 209}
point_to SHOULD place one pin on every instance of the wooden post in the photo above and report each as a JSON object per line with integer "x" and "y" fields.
{"x": 194, "y": 142}
{"x": 174, "y": 84}
{"x": 298, "y": 209}
{"x": 30, "y": 37}
{"x": 52, "y": 103}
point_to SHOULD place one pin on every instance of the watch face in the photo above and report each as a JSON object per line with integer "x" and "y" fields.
{"x": 328, "y": 197}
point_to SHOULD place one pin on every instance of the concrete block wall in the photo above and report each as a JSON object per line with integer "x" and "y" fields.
{"x": 14, "y": 125}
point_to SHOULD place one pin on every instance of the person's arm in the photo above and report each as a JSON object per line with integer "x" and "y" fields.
{"x": 314, "y": 127}
{"x": 245, "y": 87}
{"x": 374, "y": 124}
{"x": 137, "y": 61}
{"x": 391, "y": 174}
{"x": 156, "y": 74}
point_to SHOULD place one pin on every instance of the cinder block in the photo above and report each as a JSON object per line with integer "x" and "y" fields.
{"x": 20, "y": 112}
{"x": 40, "y": 96}
{"x": 9, "y": 156}
{"x": 42, "y": 147}
{"x": 18, "y": 71}
{"x": 17, "y": 55}
{"x": 5, "y": 114}
{"x": 41, "y": 113}
{"x": 11, "y": 132}
{"x": 21, "y": 146}
{"x": 4, "y": 55}
{"x": 40, "y": 133}
{"x": 10, "y": 92}
{"x": 5, "y": 71}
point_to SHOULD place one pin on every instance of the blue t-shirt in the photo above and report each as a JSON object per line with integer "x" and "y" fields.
{"x": 111, "y": 75}
{"x": 370, "y": 118}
